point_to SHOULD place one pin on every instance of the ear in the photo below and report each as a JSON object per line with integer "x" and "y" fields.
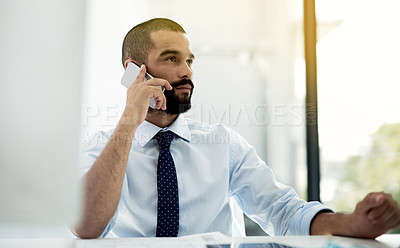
{"x": 131, "y": 60}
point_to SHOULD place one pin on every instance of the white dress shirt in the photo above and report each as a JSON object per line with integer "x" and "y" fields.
{"x": 213, "y": 163}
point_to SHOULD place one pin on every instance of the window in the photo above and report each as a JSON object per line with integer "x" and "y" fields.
{"x": 358, "y": 56}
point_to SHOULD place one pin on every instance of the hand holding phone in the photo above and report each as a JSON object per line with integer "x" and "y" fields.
{"x": 131, "y": 72}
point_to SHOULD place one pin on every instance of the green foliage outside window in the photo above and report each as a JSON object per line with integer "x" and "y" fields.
{"x": 375, "y": 169}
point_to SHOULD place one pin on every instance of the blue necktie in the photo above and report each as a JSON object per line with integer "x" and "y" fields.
{"x": 167, "y": 187}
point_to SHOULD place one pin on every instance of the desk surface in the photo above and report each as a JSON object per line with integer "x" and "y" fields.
{"x": 384, "y": 241}
{"x": 201, "y": 241}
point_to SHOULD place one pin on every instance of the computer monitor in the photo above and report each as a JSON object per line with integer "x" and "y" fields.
{"x": 41, "y": 48}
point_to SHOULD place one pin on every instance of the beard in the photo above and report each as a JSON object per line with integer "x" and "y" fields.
{"x": 177, "y": 104}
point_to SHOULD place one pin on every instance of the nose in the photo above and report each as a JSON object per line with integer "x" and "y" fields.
{"x": 186, "y": 71}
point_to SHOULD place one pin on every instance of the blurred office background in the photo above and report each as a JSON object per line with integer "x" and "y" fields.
{"x": 250, "y": 75}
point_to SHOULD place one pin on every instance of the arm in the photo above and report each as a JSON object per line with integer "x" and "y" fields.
{"x": 103, "y": 182}
{"x": 376, "y": 214}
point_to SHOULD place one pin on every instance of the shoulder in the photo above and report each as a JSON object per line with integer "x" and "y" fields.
{"x": 201, "y": 127}
{"x": 216, "y": 132}
{"x": 98, "y": 139}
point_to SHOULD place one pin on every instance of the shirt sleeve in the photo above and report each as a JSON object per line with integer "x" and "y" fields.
{"x": 91, "y": 149}
{"x": 274, "y": 206}
{"x": 301, "y": 220}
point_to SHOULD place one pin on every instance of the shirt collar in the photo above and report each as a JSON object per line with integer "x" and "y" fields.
{"x": 146, "y": 131}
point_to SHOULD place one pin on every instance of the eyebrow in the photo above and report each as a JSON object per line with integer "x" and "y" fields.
{"x": 174, "y": 52}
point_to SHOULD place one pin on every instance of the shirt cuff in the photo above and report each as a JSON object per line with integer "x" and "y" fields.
{"x": 301, "y": 220}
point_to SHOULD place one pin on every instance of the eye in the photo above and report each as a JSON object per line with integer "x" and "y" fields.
{"x": 189, "y": 62}
{"x": 171, "y": 59}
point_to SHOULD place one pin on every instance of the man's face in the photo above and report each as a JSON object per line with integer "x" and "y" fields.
{"x": 171, "y": 59}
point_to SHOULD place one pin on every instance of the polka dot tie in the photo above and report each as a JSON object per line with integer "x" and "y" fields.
{"x": 167, "y": 187}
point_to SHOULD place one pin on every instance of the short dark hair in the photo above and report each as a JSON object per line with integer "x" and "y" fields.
{"x": 137, "y": 42}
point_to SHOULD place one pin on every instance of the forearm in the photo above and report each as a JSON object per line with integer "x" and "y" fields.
{"x": 331, "y": 224}
{"x": 103, "y": 182}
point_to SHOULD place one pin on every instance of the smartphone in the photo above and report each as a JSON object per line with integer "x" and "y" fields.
{"x": 131, "y": 72}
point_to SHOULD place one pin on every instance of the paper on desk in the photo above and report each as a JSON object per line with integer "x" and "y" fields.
{"x": 343, "y": 242}
{"x": 197, "y": 240}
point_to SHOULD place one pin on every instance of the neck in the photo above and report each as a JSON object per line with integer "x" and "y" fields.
{"x": 160, "y": 118}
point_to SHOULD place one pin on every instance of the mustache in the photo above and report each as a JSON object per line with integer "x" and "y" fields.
{"x": 181, "y": 82}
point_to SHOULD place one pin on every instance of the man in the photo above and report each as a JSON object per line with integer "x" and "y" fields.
{"x": 159, "y": 174}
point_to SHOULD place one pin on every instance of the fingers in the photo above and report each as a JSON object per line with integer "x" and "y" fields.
{"x": 395, "y": 221}
{"x": 141, "y": 75}
{"x": 159, "y": 82}
{"x": 377, "y": 212}
{"x": 145, "y": 90}
{"x": 158, "y": 94}
{"x": 372, "y": 200}
{"x": 388, "y": 220}
{"x": 153, "y": 82}
{"x": 387, "y": 214}
{"x": 385, "y": 201}
{"x": 156, "y": 84}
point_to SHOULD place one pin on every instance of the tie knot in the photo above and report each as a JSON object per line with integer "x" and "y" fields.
{"x": 164, "y": 139}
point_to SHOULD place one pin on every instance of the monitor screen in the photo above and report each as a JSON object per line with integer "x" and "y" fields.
{"x": 40, "y": 90}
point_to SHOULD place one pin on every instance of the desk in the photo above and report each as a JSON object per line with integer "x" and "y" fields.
{"x": 384, "y": 241}
{"x": 200, "y": 241}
